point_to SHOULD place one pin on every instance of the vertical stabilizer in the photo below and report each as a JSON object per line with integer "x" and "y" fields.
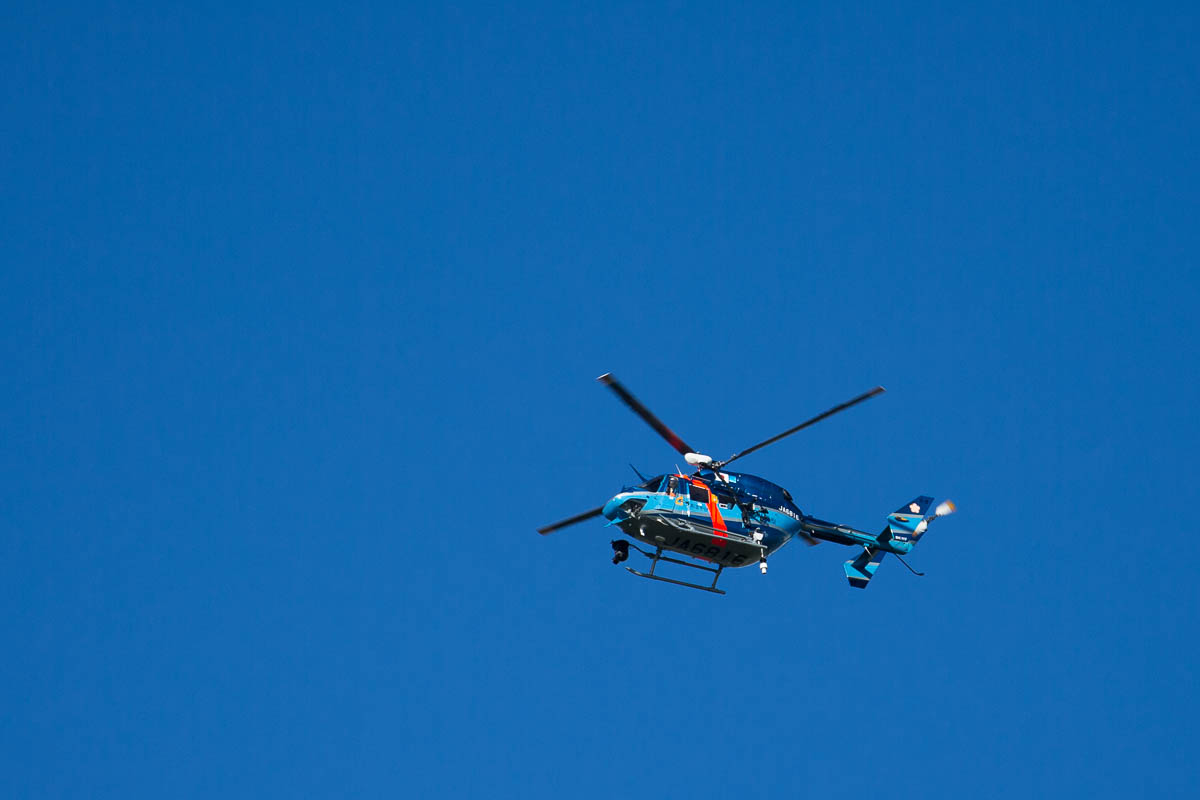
{"x": 907, "y": 523}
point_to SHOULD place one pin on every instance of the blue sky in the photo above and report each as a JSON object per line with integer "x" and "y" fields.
{"x": 303, "y": 308}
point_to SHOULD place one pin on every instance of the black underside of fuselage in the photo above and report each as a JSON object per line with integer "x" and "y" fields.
{"x": 679, "y": 534}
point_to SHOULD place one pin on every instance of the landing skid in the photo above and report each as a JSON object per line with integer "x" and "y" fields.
{"x": 657, "y": 556}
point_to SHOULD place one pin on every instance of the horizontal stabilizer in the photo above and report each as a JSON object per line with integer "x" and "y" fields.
{"x": 862, "y": 569}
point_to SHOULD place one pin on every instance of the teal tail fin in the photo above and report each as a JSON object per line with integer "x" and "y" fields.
{"x": 905, "y": 527}
{"x": 862, "y": 569}
{"x": 904, "y": 524}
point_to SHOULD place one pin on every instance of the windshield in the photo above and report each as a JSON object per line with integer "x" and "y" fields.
{"x": 652, "y": 484}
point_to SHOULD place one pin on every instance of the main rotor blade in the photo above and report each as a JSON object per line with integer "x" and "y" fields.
{"x": 654, "y": 422}
{"x": 801, "y": 426}
{"x": 595, "y": 512}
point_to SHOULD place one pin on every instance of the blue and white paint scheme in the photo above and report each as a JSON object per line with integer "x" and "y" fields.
{"x": 672, "y": 512}
{"x": 734, "y": 519}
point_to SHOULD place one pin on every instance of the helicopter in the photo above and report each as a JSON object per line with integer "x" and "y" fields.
{"x": 722, "y": 519}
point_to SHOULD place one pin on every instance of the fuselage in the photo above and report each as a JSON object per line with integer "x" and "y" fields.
{"x": 734, "y": 519}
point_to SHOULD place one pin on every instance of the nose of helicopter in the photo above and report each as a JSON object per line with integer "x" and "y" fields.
{"x": 610, "y": 508}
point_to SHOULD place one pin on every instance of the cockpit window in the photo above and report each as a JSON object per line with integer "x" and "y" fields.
{"x": 652, "y": 484}
{"x": 698, "y": 493}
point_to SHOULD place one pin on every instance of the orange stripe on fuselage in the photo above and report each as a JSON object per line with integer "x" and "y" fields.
{"x": 714, "y": 513}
